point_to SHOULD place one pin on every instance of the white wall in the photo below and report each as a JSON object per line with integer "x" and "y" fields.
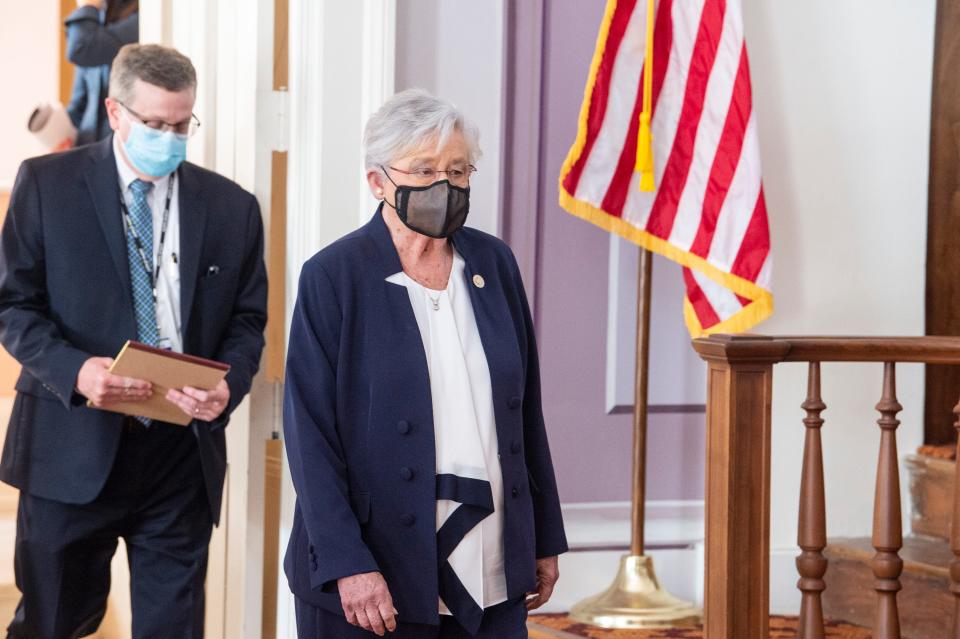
{"x": 30, "y": 49}
{"x": 455, "y": 50}
{"x": 842, "y": 94}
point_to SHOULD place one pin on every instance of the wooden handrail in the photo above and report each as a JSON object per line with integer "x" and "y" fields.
{"x": 828, "y": 348}
{"x": 739, "y": 398}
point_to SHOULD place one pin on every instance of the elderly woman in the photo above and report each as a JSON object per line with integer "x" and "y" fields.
{"x": 426, "y": 499}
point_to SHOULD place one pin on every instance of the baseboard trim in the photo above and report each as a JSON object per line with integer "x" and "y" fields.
{"x": 670, "y": 524}
{"x": 784, "y": 595}
{"x": 599, "y": 532}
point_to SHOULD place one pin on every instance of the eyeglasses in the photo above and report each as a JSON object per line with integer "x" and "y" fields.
{"x": 458, "y": 175}
{"x": 186, "y": 128}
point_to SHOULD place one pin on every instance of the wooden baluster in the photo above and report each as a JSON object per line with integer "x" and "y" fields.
{"x": 955, "y": 534}
{"x": 887, "y": 533}
{"x": 812, "y": 528}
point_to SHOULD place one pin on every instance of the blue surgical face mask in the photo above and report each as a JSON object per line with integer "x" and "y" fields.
{"x": 152, "y": 152}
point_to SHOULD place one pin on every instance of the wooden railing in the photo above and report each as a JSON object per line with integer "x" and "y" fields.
{"x": 739, "y": 393}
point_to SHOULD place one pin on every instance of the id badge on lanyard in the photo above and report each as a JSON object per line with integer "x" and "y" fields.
{"x": 164, "y": 343}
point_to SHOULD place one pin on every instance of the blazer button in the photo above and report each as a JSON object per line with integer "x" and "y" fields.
{"x": 406, "y": 474}
{"x": 408, "y": 519}
{"x": 403, "y": 427}
{"x": 515, "y": 447}
{"x": 314, "y": 566}
{"x": 514, "y": 403}
{"x": 515, "y": 492}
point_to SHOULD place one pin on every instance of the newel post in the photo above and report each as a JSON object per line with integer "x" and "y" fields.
{"x": 739, "y": 396}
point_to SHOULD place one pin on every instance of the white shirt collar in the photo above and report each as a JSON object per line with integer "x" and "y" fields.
{"x": 126, "y": 172}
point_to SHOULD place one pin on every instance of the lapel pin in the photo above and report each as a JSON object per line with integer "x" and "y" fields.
{"x": 478, "y": 281}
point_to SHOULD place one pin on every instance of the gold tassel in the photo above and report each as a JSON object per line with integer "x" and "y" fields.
{"x": 645, "y": 154}
{"x": 644, "y": 164}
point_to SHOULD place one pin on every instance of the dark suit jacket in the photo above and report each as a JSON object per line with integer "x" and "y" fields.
{"x": 358, "y": 410}
{"x": 92, "y": 46}
{"x": 65, "y": 296}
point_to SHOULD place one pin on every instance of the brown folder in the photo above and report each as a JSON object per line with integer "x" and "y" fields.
{"x": 165, "y": 370}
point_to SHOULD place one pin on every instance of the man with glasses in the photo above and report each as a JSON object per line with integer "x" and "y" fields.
{"x": 124, "y": 240}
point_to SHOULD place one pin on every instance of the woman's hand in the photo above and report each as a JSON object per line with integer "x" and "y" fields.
{"x": 367, "y": 602}
{"x": 548, "y": 572}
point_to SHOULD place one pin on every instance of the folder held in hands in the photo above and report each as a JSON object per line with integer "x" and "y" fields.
{"x": 165, "y": 370}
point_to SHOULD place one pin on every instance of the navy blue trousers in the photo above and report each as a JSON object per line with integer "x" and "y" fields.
{"x": 154, "y": 499}
{"x": 505, "y": 621}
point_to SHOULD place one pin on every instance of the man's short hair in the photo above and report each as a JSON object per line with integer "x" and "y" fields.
{"x": 160, "y": 66}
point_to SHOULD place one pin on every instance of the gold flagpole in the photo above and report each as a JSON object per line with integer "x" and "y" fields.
{"x": 636, "y": 599}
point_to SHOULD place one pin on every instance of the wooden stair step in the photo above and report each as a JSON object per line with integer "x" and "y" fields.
{"x": 925, "y": 603}
{"x": 931, "y": 487}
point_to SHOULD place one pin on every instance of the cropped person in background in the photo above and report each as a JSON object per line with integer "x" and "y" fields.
{"x": 115, "y": 241}
{"x": 95, "y": 33}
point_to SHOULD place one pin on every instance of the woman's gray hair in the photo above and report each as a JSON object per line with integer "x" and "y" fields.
{"x": 160, "y": 66}
{"x": 408, "y": 121}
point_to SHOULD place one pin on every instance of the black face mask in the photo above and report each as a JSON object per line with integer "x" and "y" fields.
{"x": 438, "y": 210}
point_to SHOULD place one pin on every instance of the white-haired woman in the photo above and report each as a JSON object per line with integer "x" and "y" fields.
{"x": 426, "y": 499}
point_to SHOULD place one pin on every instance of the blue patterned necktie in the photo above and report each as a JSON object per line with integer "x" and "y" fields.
{"x": 143, "y": 304}
{"x": 142, "y": 221}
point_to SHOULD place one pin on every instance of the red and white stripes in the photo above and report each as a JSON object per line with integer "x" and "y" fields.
{"x": 708, "y": 210}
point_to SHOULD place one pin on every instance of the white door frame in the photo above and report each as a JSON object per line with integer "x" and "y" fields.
{"x": 341, "y": 69}
{"x": 231, "y": 45}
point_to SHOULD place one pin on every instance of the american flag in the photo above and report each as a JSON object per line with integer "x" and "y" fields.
{"x": 707, "y": 211}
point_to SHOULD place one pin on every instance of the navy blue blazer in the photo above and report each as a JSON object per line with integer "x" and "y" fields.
{"x": 65, "y": 296}
{"x": 92, "y": 46}
{"x": 358, "y": 418}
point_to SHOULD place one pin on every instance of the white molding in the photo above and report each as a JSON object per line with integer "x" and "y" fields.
{"x": 784, "y": 595}
{"x": 622, "y": 267}
{"x": 155, "y": 21}
{"x": 669, "y": 523}
{"x": 377, "y": 76}
{"x": 599, "y": 534}
{"x": 305, "y": 159}
{"x": 232, "y": 50}
{"x": 304, "y": 223}
{"x": 680, "y": 376}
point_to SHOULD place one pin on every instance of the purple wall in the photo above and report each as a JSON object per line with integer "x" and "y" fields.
{"x": 549, "y": 46}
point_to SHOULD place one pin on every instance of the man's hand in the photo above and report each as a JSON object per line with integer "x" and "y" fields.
{"x": 548, "y": 572}
{"x": 367, "y": 602}
{"x": 200, "y": 404}
{"x": 98, "y": 4}
{"x": 102, "y": 388}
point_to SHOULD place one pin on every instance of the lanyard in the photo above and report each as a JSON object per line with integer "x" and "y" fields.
{"x": 144, "y": 258}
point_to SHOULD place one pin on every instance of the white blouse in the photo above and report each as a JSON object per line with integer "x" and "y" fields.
{"x": 464, "y": 424}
